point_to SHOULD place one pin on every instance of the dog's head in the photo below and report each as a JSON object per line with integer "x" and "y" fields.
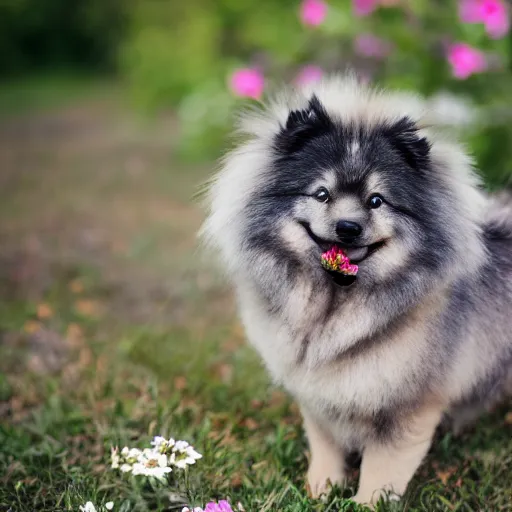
{"x": 343, "y": 165}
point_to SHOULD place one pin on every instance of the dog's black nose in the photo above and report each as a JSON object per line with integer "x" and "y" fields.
{"x": 348, "y": 230}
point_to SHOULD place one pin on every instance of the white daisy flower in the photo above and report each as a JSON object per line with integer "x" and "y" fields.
{"x": 179, "y": 463}
{"x": 158, "y": 441}
{"x": 163, "y": 445}
{"x": 158, "y": 472}
{"x": 156, "y": 461}
{"x": 88, "y": 507}
{"x": 192, "y": 454}
{"x": 183, "y": 455}
{"x": 133, "y": 454}
{"x": 138, "y": 469}
{"x": 180, "y": 446}
{"x": 126, "y": 468}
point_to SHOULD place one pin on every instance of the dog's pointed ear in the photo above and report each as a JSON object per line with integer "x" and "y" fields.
{"x": 303, "y": 125}
{"x": 404, "y": 137}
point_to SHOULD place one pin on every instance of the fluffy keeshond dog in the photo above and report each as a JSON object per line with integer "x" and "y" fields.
{"x": 423, "y": 332}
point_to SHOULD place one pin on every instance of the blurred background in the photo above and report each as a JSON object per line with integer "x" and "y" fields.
{"x": 112, "y": 114}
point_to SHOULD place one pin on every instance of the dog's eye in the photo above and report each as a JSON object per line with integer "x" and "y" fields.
{"x": 322, "y": 195}
{"x": 375, "y": 201}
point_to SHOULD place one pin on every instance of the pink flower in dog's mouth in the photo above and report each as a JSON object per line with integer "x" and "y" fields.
{"x": 336, "y": 260}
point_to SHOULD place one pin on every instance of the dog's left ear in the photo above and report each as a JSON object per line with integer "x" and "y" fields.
{"x": 404, "y": 137}
{"x": 302, "y": 126}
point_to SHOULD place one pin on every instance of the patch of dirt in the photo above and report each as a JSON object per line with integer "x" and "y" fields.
{"x": 91, "y": 186}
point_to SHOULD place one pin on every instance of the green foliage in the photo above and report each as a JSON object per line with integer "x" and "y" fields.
{"x": 59, "y": 33}
{"x": 182, "y": 53}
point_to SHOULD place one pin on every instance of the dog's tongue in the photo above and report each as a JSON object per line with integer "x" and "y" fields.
{"x": 356, "y": 254}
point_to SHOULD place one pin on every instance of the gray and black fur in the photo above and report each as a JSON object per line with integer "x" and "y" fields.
{"x": 425, "y": 329}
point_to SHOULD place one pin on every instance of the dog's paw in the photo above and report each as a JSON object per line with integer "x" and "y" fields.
{"x": 371, "y": 501}
{"x": 320, "y": 480}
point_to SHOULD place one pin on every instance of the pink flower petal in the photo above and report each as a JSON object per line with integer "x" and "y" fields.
{"x": 494, "y": 14}
{"x": 465, "y": 60}
{"x": 470, "y": 11}
{"x": 364, "y": 7}
{"x": 313, "y": 12}
{"x": 368, "y": 45}
{"x": 247, "y": 82}
{"x": 225, "y": 506}
{"x": 495, "y": 17}
{"x": 309, "y": 75}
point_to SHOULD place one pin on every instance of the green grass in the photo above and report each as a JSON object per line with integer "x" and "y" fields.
{"x": 123, "y": 388}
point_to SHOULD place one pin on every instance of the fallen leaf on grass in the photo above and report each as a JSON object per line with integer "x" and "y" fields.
{"x": 277, "y": 399}
{"x": 235, "y": 481}
{"x": 32, "y": 326}
{"x": 250, "y": 424}
{"x": 85, "y": 357}
{"x": 224, "y": 372}
{"x": 445, "y": 475}
{"x": 75, "y": 335}
{"x": 87, "y": 307}
{"x": 44, "y": 311}
{"x": 256, "y": 404}
{"x": 180, "y": 383}
{"x": 76, "y": 286}
{"x": 228, "y": 440}
{"x": 230, "y": 346}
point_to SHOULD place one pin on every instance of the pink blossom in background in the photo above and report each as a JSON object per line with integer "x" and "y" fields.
{"x": 364, "y": 7}
{"x": 465, "y": 60}
{"x": 309, "y": 75}
{"x": 496, "y": 18}
{"x": 368, "y": 45}
{"x": 313, "y": 12}
{"x": 492, "y": 13}
{"x": 222, "y": 506}
{"x": 248, "y": 83}
{"x": 469, "y": 11}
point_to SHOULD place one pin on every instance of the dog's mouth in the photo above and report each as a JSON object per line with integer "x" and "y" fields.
{"x": 355, "y": 254}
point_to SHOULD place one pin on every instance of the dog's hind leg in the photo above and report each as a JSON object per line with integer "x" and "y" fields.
{"x": 327, "y": 464}
{"x": 387, "y": 468}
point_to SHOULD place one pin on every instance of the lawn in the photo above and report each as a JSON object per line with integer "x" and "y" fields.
{"x": 112, "y": 333}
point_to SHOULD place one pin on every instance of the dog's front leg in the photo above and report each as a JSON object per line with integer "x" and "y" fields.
{"x": 327, "y": 464}
{"x": 387, "y": 468}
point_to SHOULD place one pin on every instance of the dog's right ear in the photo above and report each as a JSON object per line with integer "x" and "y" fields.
{"x": 302, "y": 126}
